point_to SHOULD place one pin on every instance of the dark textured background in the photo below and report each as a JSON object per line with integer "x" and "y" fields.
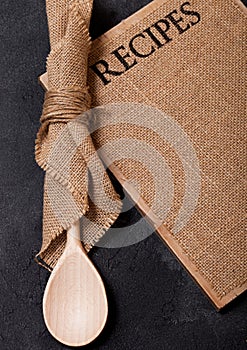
{"x": 153, "y": 303}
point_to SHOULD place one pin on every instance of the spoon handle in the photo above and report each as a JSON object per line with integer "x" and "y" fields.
{"x": 73, "y": 236}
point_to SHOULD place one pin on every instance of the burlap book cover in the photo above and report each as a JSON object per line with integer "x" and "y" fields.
{"x": 186, "y": 59}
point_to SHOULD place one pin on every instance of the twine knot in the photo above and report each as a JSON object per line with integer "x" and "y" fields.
{"x": 62, "y": 106}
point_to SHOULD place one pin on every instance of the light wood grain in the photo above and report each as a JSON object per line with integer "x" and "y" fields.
{"x": 75, "y": 305}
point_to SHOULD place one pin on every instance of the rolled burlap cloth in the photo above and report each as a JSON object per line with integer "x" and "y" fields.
{"x": 64, "y": 148}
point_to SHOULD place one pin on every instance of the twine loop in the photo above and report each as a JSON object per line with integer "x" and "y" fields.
{"x": 62, "y": 106}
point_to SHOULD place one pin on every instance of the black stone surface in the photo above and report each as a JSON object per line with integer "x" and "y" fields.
{"x": 153, "y": 303}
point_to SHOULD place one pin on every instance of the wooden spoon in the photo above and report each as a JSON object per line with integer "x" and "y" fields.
{"x": 75, "y": 305}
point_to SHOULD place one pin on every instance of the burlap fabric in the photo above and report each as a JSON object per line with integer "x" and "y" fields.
{"x": 196, "y": 73}
{"x": 68, "y": 176}
{"x": 188, "y": 59}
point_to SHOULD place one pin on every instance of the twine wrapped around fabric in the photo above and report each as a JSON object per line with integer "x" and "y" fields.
{"x": 63, "y": 106}
{"x": 64, "y": 152}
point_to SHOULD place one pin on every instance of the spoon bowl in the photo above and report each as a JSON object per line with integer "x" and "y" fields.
{"x": 75, "y": 305}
